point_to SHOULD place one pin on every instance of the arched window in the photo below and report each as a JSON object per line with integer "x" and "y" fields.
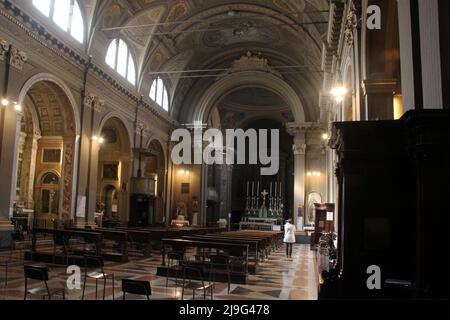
{"x": 50, "y": 178}
{"x": 158, "y": 93}
{"x": 120, "y": 59}
{"x": 66, "y": 14}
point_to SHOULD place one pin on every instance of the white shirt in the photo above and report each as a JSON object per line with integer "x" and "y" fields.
{"x": 289, "y": 233}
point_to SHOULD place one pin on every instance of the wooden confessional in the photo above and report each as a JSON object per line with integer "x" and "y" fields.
{"x": 392, "y": 211}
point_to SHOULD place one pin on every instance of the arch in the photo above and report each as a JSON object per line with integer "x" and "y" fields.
{"x": 114, "y": 163}
{"x": 244, "y": 79}
{"x": 69, "y": 140}
{"x": 161, "y": 145}
{"x": 61, "y": 84}
{"x": 44, "y": 173}
{"x": 312, "y": 198}
{"x": 123, "y": 122}
{"x": 349, "y": 82}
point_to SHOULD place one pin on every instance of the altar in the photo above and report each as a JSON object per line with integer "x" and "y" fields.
{"x": 258, "y": 216}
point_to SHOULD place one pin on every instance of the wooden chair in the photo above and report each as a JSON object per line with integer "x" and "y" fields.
{"x": 40, "y": 273}
{"x": 190, "y": 273}
{"x": 174, "y": 264}
{"x": 137, "y": 287}
{"x": 97, "y": 264}
{"x": 220, "y": 264}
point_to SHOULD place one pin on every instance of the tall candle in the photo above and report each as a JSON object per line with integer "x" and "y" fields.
{"x": 280, "y": 188}
{"x": 248, "y": 187}
{"x": 253, "y": 188}
{"x": 257, "y": 193}
{"x": 271, "y": 189}
{"x": 275, "y": 186}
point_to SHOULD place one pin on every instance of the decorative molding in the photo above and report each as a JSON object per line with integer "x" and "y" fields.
{"x": 92, "y": 101}
{"x": 351, "y": 24}
{"x": 17, "y": 57}
{"x": 252, "y": 62}
{"x": 4, "y": 48}
{"x": 379, "y": 86}
{"x": 294, "y": 128}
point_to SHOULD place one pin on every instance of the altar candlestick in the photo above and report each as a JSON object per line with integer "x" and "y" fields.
{"x": 275, "y": 187}
{"x": 271, "y": 189}
{"x": 257, "y": 192}
{"x": 280, "y": 188}
{"x": 253, "y": 188}
{"x": 248, "y": 187}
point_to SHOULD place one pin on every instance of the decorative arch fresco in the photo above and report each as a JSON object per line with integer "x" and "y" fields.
{"x": 47, "y": 140}
{"x": 162, "y": 43}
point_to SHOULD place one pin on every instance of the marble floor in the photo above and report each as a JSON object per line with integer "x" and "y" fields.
{"x": 278, "y": 278}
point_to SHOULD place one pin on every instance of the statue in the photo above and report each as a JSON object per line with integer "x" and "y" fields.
{"x": 181, "y": 211}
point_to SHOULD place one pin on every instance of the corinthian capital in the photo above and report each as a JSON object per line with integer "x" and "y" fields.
{"x": 4, "y": 48}
{"x": 18, "y": 58}
{"x": 299, "y": 149}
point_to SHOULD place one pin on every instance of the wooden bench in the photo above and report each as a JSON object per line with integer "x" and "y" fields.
{"x": 239, "y": 253}
{"x": 253, "y": 247}
{"x": 62, "y": 237}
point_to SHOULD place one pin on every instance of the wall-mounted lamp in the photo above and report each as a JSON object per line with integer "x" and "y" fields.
{"x": 184, "y": 172}
{"x": 6, "y": 102}
{"x": 339, "y": 93}
{"x": 99, "y": 140}
{"x": 314, "y": 174}
{"x": 325, "y": 136}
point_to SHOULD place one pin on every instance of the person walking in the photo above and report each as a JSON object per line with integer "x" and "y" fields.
{"x": 289, "y": 237}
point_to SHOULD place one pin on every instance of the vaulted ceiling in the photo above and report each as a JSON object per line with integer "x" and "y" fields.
{"x": 174, "y": 35}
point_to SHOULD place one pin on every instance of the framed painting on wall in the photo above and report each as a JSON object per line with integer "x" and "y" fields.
{"x": 185, "y": 188}
{"x": 110, "y": 171}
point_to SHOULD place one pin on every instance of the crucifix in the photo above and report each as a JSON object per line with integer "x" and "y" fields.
{"x": 264, "y": 194}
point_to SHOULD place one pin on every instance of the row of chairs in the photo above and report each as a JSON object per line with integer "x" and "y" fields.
{"x": 41, "y": 273}
{"x": 193, "y": 274}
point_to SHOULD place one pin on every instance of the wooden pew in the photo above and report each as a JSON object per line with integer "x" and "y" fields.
{"x": 62, "y": 237}
{"x": 253, "y": 247}
{"x": 119, "y": 237}
{"x": 268, "y": 240}
{"x": 239, "y": 252}
{"x": 138, "y": 236}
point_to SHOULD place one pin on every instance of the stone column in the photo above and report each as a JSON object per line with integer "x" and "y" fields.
{"x": 298, "y": 131}
{"x": 406, "y": 54}
{"x": 29, "y": 161}
{"x": 203, "y": 195}
{"x": 124, "y": 189}
{"x": 431, "y": 54}
{"x": 159, "y": 205}
{"x": 92, "y": 187}
{"x": 9, "y": 141}
{"x": 67, "y": 183}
